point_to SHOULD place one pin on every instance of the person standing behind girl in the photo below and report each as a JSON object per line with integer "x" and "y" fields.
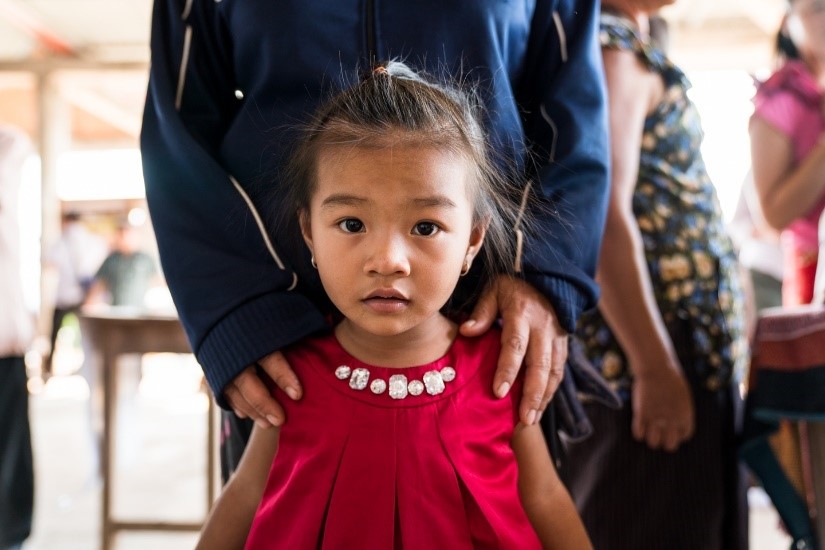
{"x": 661, "y": 472}
{"x": 76, "y": 256}
{"x": 787, "y": 145}
{"x": 399, "y": 441}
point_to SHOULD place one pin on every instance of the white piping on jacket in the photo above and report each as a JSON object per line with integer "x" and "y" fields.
{"x": 523, "y": 206}
{"x": 517, "y": 227}
{"x": 187, "y": 42}
{"x": 553, "y": 127}
{"x": 562, "y": 36}
{"x": 262, "y": 230}
{"x": 187, "y": 9}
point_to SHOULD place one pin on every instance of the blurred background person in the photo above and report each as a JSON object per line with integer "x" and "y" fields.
{"x": 787, "y": 145}
{"x": 16, "y": 333}
{"x": 77, "y": 255}
{"x": 126, "y": 274}
{"x": 788, "y": 158}
{"x": 661, "y": 472}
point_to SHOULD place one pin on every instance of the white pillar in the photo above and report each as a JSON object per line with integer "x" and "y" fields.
{"x": 53, "y": 137}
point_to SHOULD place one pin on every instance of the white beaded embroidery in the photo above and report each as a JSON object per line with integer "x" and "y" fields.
{"x": 399, "y": 387}
{"x": 359, "y": 378}
{"x": 433, "y": 382}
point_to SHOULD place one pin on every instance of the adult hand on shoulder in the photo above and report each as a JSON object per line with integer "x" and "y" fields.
{"x": 530, "y": 334}
{"x": 663, "y": 415}
{"x": 249, "y": 398}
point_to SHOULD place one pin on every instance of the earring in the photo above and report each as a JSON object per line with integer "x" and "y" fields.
{"x": 312, "y": 261}
{"x": 465, "y": 267}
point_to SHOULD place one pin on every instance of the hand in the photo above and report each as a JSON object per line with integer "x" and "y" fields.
{"x": 249, "y": 397}
{"x": 663, "y": 415}
{"x": 529, "y": 331}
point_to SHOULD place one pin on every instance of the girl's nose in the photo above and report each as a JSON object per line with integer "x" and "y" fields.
{"x": 387, "y": 256}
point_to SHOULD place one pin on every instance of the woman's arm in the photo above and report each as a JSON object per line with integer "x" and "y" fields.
{"x": 544, "y": 497}
{"x": 785, "y": 193}
{"x": 561, "y": 96}
{"x": 230, "y": 286}
{"x": 662, "y": 406}
{"x": 227, "y": 526}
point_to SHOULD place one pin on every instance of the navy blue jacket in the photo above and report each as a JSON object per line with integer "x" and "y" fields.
{"x": 231, "y": 79}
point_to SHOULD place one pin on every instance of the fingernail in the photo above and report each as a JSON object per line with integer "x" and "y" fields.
{"x": 531, "y": 417}
{"x": 274, "y": 420}
{"x": 293, "y": 393}
{"x": 469, "y": 323}
{"x": 503, "y": 389}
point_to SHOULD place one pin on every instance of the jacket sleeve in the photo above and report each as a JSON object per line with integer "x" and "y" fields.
{"x": 563, "y": 99}
{"x": 232, "y": 291}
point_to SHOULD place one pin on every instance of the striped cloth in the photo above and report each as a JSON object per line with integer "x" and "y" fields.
{"x": 787, "y": 382}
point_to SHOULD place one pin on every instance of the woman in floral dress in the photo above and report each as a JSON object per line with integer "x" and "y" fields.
{"x": 668, "y": 336}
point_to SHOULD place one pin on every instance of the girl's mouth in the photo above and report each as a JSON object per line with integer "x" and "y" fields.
{"x": 386, "y": 301}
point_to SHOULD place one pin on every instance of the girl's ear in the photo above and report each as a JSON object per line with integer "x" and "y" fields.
{"x": 306, "y": 228}
{"x": 477, "y": 238}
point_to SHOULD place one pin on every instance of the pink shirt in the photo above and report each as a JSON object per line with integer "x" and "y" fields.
{"x": 791, "y": 101}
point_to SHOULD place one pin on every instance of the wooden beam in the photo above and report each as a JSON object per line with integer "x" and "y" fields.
{"x": 26, "y": 20}
{"x": 51, "y": 64}
{"x": 102, "y": 107}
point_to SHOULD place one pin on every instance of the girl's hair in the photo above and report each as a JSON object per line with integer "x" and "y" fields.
{"x": 394, "y": 105}
{"x": 784, "y": 46}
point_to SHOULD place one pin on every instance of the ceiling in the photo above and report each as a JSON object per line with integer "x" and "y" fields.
{"x": 89, "y": 56}
{"x": 92, "y": 55}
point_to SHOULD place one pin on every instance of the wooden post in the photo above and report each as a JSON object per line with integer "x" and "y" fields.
{"x": 54, "y": 137}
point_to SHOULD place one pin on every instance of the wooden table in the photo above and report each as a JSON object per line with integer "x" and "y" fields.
{"x": 113, "y": 332}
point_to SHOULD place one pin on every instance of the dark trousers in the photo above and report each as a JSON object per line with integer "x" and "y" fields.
{"x": 60, "y": 314}
{"x": 633, "y": 498}
{"x": 16, "y": 464}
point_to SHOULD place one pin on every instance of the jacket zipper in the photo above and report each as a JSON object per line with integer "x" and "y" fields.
{"x": 370, "y": 28}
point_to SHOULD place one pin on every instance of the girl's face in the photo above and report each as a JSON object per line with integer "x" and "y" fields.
{"x": 390, "y": 229}
{"x": 806, "y": 25}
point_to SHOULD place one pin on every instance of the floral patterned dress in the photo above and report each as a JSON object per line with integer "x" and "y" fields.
{"x": 689, "y": 255}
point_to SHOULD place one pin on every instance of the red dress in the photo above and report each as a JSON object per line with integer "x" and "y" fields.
{"x": 356, "y": 469}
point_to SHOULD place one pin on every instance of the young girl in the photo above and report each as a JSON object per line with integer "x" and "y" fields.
{"x": 398, "y": 441}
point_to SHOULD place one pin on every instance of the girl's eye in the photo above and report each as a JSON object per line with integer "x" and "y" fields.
{"x": 351, "y": 225}
{"x": 425, "y": 229}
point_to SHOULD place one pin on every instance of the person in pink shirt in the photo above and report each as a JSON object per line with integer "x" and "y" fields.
{"x": 787, "y": 132}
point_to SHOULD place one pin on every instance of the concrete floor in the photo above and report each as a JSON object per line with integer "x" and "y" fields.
{"x": 160, "y": 458}
{"x": 161, "y": 461}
